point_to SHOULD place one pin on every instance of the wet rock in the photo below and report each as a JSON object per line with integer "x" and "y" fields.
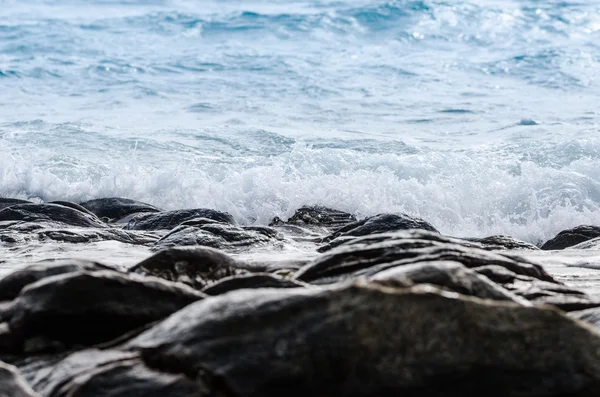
{"x": 170, "y": 219}
{"x": 500, "y": 242}
{"x": 382, "y": 223}
{"x": 128, "y": 378}
{"x": 50, "y": 213}
{"x": 12, "y": 384}
{"x": 12, "y": 284}
{"x": 217, "y": 235}
{"x": 317, "y": 216}
{"x": 450, "y": 275}
{"x": 75, "y": 206}
{"x": 496, "y": 273}
{"x": 368, "y": 340}
{"x": 115, "y": 208}
{"x": 258, "y": 280}
{"x": 195, "y": 265}
{"x": 86, "y": 308}
{"x": 368, "y": 255}
{"x": 593, "y": 244}
{"x": 8, "y": 202}
{"x": 571, "y": 237}
{"x": 590, "y": 316}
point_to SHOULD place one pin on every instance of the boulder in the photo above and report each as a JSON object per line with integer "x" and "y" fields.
{"x": 363, "y": 339}
{"x": 368, "y": 255}
{"x": 115, "y": 208}
{"x": 12, "y": 384}
{"x": 217, "y": 235}
{"x": 8, "y": 202}
{"x": 193, "y": 265}
{"x": 75, "y": 206}
{"x": 501, "y": 242}
{"x": 12, "y": 284}
{"x": 317, "y": 216}
{"x": 382, "y": 223}
{"x": 256, "y": 280}
{"x": 86, "y": 308}
{"x": 170, "y": 219}
{"x": 450, "y": 275}
{"x": 571, "y": 237}
{"x": 50, "y": 213}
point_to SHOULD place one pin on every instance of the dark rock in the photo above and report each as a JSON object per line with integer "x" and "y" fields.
{"x": 217, "y": 235}
{"x": 317, "y": 216}
{"x": 195, "y": 266}
{"x": 8, "y": 202}
{"x": 12, "y": 384}
{"x": 12, "y": 284}
{"x": 371, "y": 254}
{"x": 87, "y": 308}
{"x": 496, "y": 273}
{"x": 593, "y": 244}
{"x": 368, "y": 340}
{"x": 74, "y": 206}
{"x": 23, "y": 232}
{"x": 451, "y": 275}
{"x": 382, "y": 223}
{"x": 503, "y": 243}
{"x": 258, "y": 280}
{"x": 170, "y": 219}
{"x": 590, "y": 316}
{"x": 126, "y": 378}
{"x": 571, "y": 237}
{"x": 115, "y": 208}
{"x": 53, "y": 213}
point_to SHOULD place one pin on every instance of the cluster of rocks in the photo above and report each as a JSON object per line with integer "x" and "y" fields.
{"x": 388, "y": 306}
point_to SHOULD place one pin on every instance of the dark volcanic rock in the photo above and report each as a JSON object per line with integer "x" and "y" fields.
{"x": 128, "y": 378}
{"x": 170, "y": 219}
{"x": 368, "y": 340}
{"x": 23, "y": 232}
{"x": 115, "y": 208}
{"x": 195, "y": 266}
{"x": 217, "y": 235}
{"x": 87, "y": 308}
{"x": 53, "y": 213}
{"x": 451, "y": 275}
{"x": 368, "y": 255}
{"x": 500, "y": 242}
{"x": 12, "y": 384}
{"x": 317, "y": 216}
{"x": 8, "y": 202}
{"x": 12, "y": 284}
{"x": 571, "y": 237}
{"x": 380, "y": 224}
{"x": 74, "y": 206}
{"x": 258, "y": 280}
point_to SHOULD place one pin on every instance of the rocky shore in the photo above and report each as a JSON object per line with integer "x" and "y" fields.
{"x": 359, "y": 307}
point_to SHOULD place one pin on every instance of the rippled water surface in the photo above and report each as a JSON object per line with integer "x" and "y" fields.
{"x": 480, "y": 116}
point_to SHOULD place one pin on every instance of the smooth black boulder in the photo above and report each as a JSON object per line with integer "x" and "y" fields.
{"x": 367, "y": 340}
{"x": 571, "y": 237}
{"x": 219, "y": 235}
{"x": 368, "y": 255}
{"x": 12, "y": 284}
{"x": 75, "y": 206}
{"x": 170, "y": 219}
{"x": 53, "y": 213}
{"x": 194, "y": 265}
{"x": 255, "y": 280}
{"x": 86, "y": 308}
{"x": 8, "y": 202}
{"x": 115, "y": 208}
{"x": 501, "y": 242}
{"x": 451, "y": 275}
{"x": 317, "y": 215}
{"x": 12, "y": 383}
{"x": 380, "y": 224}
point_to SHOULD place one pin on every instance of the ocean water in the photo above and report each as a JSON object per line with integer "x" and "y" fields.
{"x": 479, "y": 116}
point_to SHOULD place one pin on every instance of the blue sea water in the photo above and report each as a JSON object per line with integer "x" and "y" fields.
{"x": 479, "y": 116}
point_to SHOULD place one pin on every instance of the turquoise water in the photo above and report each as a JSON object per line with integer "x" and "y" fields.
{"x": 480, "y": 116}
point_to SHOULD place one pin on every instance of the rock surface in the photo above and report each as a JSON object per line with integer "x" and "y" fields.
{"x": 571, "y": 237}
{"x": 86, "y": 308}
{"x": 170, "y": 219}
{"x": 53, "y": 213}
{"x": 12, "y": 384}
{"x": 317, "y": 216}
{"x": 365, "y": 340}
{"x": 255, "y": 280}
{"x": 115, "y": 208}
